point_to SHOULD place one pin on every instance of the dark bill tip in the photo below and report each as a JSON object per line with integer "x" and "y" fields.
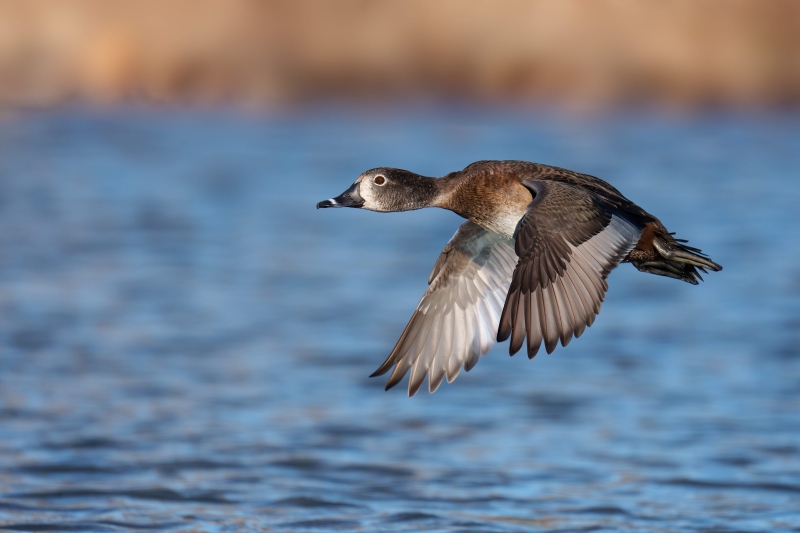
{"x": 349, "y": 198}
{"x": 328, "y": 203}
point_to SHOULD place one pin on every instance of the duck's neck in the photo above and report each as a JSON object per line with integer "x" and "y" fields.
{"x": 423, "y": 191}
{"x": 418, "y": 192}
{"x": 445, "y": 191}
{"x": 442, "y": 191}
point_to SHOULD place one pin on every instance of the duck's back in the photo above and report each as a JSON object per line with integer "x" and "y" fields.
{"x": 492, "y": 193}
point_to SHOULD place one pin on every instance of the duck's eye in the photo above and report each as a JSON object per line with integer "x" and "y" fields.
{"x": 379, "y": 180}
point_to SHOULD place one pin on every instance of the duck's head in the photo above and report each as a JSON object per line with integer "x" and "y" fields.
{"x": 386, "y": 189}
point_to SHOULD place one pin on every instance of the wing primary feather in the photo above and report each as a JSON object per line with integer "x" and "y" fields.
{"x": 403, "y": 345}
{"x": 596, "y": 291}
{"x": 449, "y": 339}
{"x": 504, "y": 330}
{"x": 548, "y": 321}
{"x": 437, "y": 363}
{"x": 418, "y": 368}
{"x": 586, "y": 289}
{"x": 411, "y": 357}
{"x": 534, "y": 331}
{"x": 397, "y": 374}
{"x": 518, "y": 327}
{"x": 581, "y": 300}
{"x": 458, "y": 347}
{"x": 572, "y": 315}
{"x": 509, "y": 313}
{"x": 564, "y": 311}
{"x": 555, "y": 309}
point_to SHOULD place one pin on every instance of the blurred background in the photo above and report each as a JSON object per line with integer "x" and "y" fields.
{"x": 185, "y": 341}
{"x": 272, "y": 52}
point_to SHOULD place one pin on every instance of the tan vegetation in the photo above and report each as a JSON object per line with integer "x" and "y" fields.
{"x": 682, "y": 52}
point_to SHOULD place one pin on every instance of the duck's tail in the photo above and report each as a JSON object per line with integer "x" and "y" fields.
{"x": 671, "y": 257}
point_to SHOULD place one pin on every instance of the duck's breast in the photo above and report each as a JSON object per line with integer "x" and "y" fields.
{"x": 495, "y": 203}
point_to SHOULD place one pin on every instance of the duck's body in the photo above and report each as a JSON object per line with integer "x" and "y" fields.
{"x": 531, "y": 260}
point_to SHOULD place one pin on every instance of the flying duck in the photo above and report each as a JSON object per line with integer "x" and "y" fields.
{"x": 530, "y": 262}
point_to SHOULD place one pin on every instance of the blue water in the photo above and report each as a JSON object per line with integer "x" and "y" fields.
{"x": 185, "y": 341}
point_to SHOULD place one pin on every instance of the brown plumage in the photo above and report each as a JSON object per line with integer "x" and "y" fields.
{"x": 531, "y": 261}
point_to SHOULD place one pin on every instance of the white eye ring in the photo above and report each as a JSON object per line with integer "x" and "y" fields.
{"x": 379, "y": 180}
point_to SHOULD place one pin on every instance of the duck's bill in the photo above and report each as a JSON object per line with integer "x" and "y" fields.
{"x": 349, "y": 198}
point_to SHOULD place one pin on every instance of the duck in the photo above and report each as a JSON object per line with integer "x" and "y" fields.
{"x": 529, "y": 264}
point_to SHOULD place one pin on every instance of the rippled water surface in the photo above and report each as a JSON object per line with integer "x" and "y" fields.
{"x": 185, "y": 341}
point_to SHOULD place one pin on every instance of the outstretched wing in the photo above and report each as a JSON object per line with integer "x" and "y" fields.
{"x": 567, "y": 244}
{"x": 456, "y": 320}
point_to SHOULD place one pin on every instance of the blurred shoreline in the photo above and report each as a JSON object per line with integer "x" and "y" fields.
{"x": 585, "y": 55}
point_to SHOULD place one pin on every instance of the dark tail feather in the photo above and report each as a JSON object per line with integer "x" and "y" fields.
{"x": 675, "y": 259}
